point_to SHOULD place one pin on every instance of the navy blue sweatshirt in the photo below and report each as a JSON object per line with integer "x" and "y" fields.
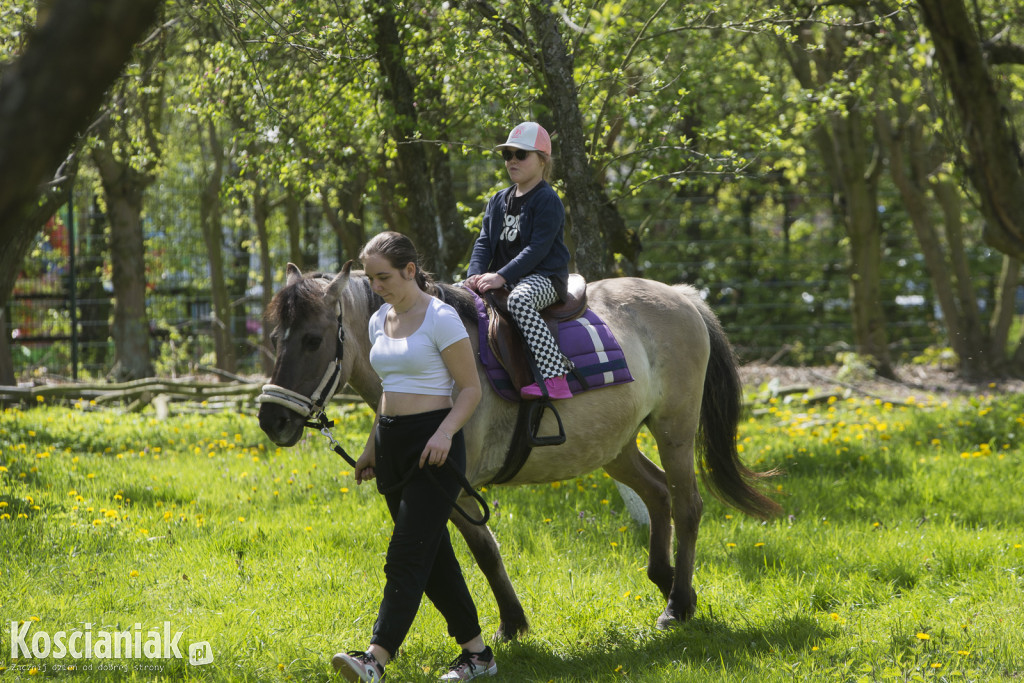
{"x": 541, "y": 234}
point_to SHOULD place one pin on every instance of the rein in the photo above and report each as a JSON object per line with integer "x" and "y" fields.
{"x": 312, "y": 408}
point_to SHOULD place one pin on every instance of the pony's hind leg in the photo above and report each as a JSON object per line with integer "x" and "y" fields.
{"x": 485, "y": 551}
{"x": 633, "y": 469}
{"x": 675, "y": 438}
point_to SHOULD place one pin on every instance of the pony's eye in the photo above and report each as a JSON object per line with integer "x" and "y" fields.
{"x": 311, "y": 342}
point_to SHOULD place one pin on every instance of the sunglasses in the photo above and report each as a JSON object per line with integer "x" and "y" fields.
{"x": 520, "y": 154}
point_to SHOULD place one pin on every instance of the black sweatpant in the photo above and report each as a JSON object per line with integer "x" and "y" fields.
{"x": 420, "y": 557}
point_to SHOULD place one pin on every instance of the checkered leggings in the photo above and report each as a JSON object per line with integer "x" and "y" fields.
{"x": 533, "y": 293}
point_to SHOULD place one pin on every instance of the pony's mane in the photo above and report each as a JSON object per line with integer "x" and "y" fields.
{"x": 458, "y": 298}
{"x": 305, "y": 298}
{"x": 295, "y": 302}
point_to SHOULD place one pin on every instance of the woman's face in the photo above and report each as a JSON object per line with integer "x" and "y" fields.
{"x": 387, "y": 281}
{"x": 525, "y": 172}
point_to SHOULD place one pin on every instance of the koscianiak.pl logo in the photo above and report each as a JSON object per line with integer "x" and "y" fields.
{"x": 87, "y": 647}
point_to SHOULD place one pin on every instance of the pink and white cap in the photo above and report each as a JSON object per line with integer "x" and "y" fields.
{"x": 529, "y": 136}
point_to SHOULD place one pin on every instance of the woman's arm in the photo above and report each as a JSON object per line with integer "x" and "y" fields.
{"x": 461, "y": 364}
{"x": 368, "y": 460}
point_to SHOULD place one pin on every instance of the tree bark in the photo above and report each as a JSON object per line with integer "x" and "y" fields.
{"x": 597, "y": 231}
{"x": 124, "y": 188}
{"x": 347, "y": 216}
{"x": 95, "y": 304}
{"x": 260, "y": 215}
{"x": 48, "y": 96}
{"x": 413, "y": 166}
{"x": 994, "y": 161}
{"x": 213, "y": 237}
{"x": 845, "y": 147}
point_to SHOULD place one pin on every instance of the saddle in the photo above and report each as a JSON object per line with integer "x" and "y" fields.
{"x": 507, "y": 343}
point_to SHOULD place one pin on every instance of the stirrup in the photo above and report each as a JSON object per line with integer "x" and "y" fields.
{"x": 537, "y": 409}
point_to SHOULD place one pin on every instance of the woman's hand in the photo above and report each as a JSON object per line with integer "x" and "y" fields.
{"x": 364, "y": 467}
{"x": 436, "y": 451}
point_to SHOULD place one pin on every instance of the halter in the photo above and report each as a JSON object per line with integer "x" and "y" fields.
{"x": 312, "y": 407}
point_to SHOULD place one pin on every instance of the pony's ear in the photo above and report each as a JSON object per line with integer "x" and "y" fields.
{"x": 340, "y": 282}
{"x": 294, "y": 274}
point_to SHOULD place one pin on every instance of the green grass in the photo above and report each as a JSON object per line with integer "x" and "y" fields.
{"x": 900, "y": 555}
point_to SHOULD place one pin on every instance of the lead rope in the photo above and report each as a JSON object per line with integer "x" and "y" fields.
{"x": 324, "y": 425}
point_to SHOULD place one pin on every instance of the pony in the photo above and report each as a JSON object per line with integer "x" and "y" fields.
{"x": 686, "y": 390}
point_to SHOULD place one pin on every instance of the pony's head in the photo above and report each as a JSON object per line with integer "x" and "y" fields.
{"x": 309, "y": 341}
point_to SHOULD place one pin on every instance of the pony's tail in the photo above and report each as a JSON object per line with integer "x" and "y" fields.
{"x": 722, "y": 471}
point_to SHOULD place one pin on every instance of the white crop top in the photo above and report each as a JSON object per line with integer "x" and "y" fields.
{"x": 413, "y": 365}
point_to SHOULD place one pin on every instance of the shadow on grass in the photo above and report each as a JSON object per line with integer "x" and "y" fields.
{"x": 148, "y": 496}
{"x": 699, "y": 647}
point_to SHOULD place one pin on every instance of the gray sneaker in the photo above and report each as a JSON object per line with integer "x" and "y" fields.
{"x": 358, "y": 666}
{"x": 470, "y": 665}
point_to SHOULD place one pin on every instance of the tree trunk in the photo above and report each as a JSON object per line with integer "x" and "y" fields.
{"x": 1003, "y": 315}
{"x": 844, "y": 144}
{"x": 213, "y": 238}
{"x": 347, "y": 217}
{"x": 596, "y": 229}
{"x": 42, "y": 212}
{"x": 293, "y": 220}
{"x": 260, "y": 214}
{"x": 454, "y": 240}
{"x": 48, "y": 96}
{"x": 413, "y": 167}
{"x": 95, "y": 304}
{"x": 124, "y": 189}
{"x": 7, "y": 377}
{"x": 994, "y": 163}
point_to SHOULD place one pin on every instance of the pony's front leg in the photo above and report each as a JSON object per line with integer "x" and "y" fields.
{"x": 485, "y": 550}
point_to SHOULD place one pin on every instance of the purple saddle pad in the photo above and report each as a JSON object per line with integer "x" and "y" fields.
{"x": 587, "y": 341}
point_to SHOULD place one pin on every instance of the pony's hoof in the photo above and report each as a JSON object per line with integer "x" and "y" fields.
{"x": 508, "y": 632}
{"x": 668, "y": 622}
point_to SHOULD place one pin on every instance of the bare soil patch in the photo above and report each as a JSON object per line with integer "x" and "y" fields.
{"x": 912, "y": 380}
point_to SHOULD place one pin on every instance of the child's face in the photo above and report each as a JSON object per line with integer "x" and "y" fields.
{"x": 526, "y": 172}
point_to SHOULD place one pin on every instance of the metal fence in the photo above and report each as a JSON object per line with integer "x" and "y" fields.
{"x": 60, "y": 314}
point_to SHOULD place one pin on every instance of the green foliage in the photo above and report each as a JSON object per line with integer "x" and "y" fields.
{"x": 899, "y": 557}
{"x": 703, "y": 123}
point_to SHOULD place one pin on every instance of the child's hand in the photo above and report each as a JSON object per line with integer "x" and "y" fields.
{"x": 490, "y": 281}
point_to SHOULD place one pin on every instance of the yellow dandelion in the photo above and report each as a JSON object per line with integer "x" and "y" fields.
{"x": 923, "y": 636}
